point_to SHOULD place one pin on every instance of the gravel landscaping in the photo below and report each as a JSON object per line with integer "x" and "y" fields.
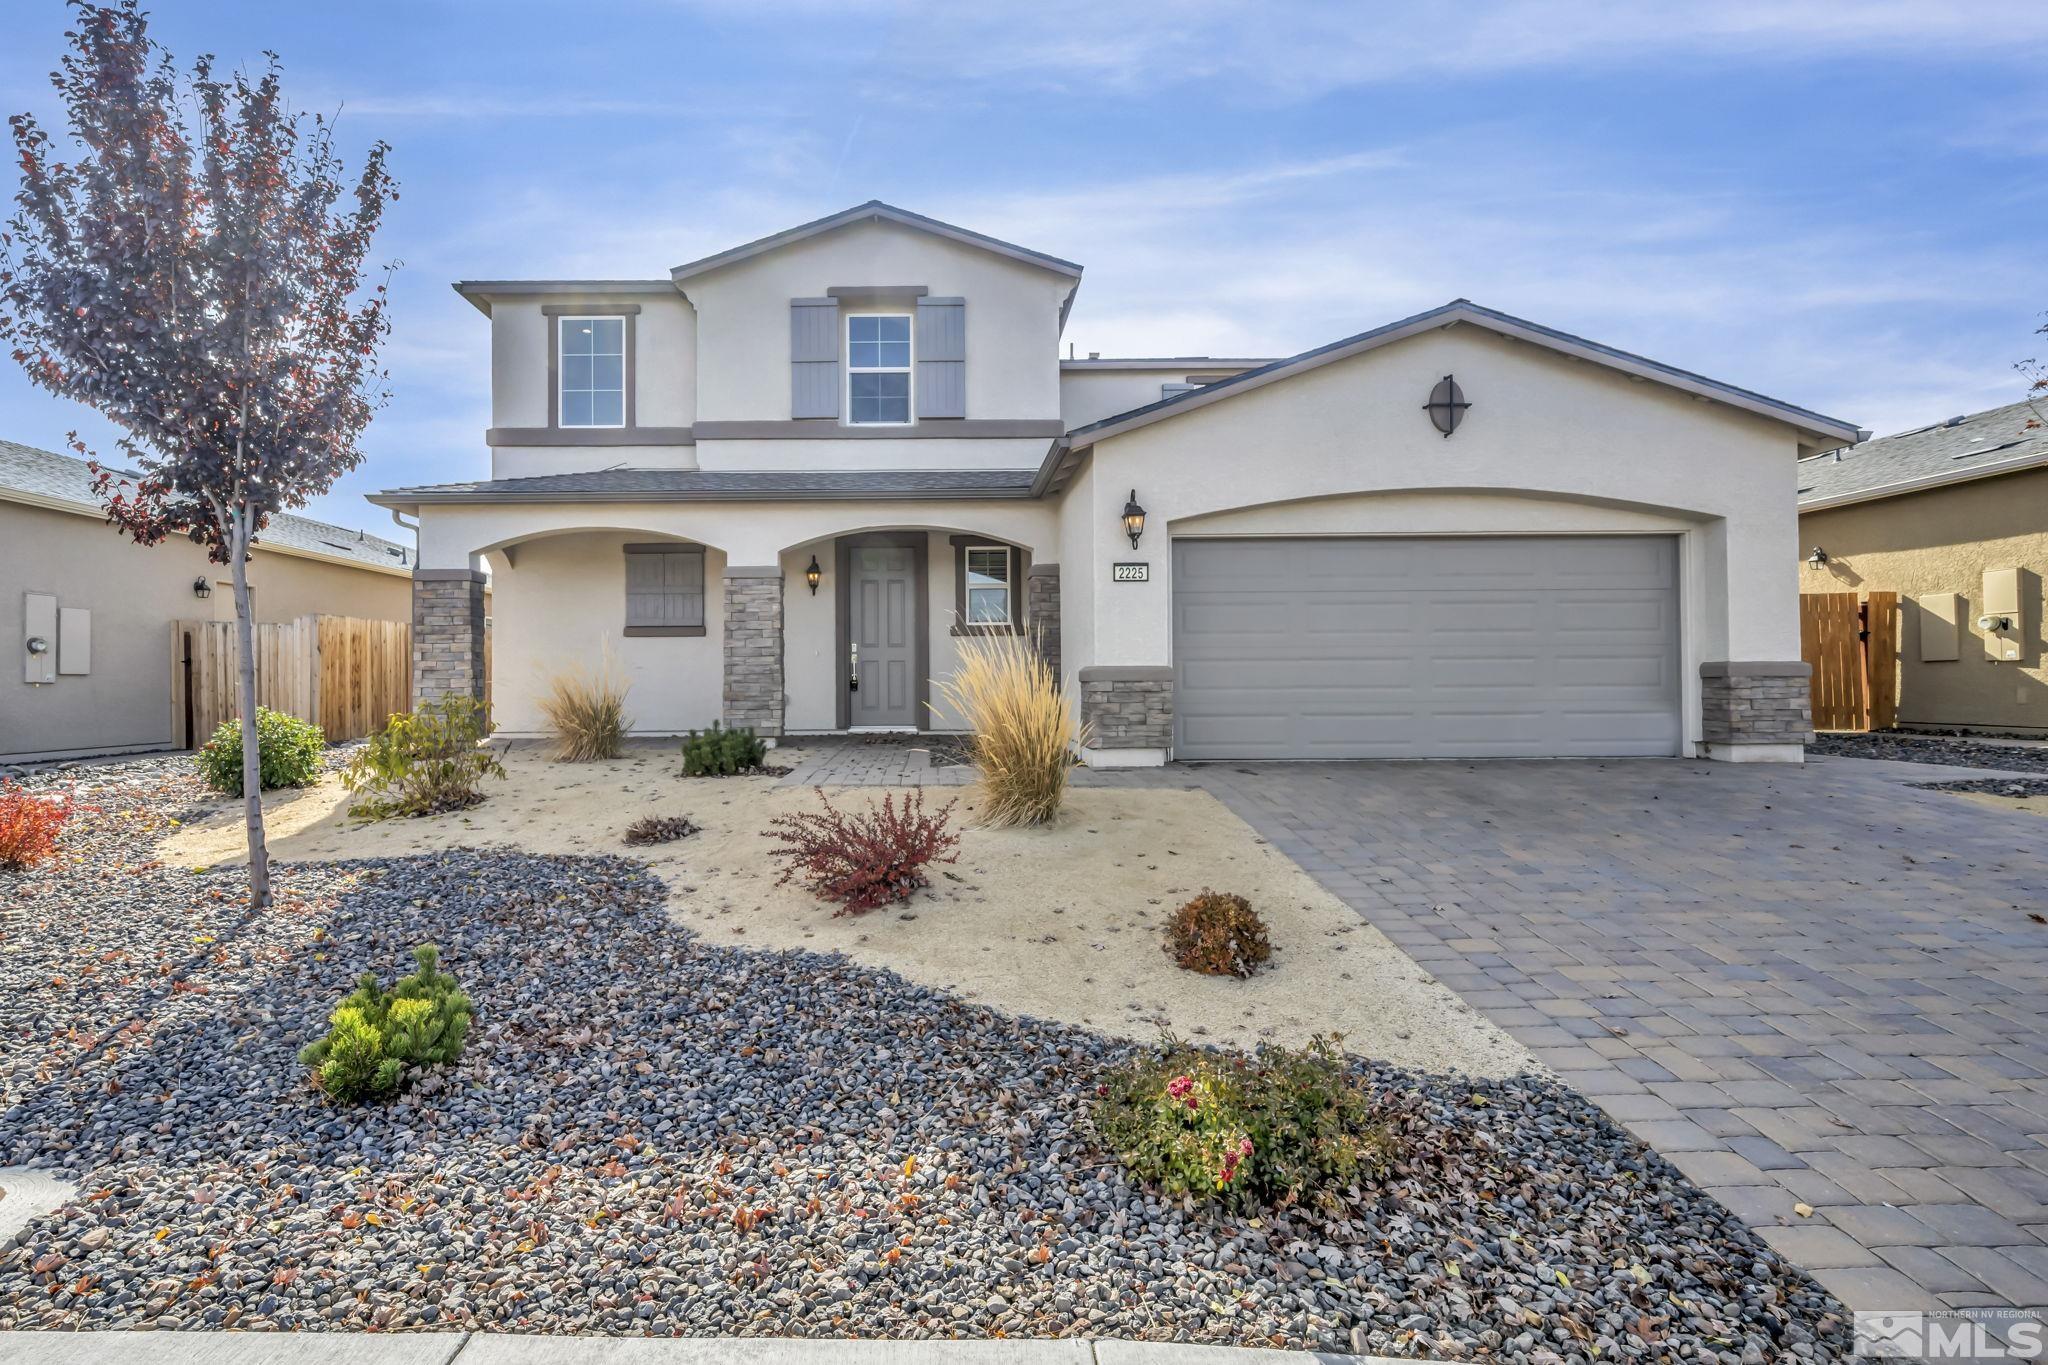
{"x": 1944, "y": 749}
{"x": 652, "y": 1133}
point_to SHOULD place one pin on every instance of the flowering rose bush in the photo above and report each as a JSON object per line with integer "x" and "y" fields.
{"x": 1281, "y": 1127}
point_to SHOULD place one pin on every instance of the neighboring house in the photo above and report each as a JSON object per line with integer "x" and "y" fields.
{"x": 1954, "y": 518}
{"x": 103, "y": 606}
{"x": 778, "y": 483}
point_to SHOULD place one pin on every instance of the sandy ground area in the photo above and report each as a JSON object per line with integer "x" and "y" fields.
{"x": 2035, "y": 806}
{"x": 1063, "y": 922}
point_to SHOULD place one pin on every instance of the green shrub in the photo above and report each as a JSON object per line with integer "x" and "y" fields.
{"x": 719, "y": 752}
{"x": 423, "y": 762}
{"x": 1282, "y": 1127}
{"x": 376, "y": 1036}
{"x": 1218, "y": 934}
{"x": 287, "y": 752}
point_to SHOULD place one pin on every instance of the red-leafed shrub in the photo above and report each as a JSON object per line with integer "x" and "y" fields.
{"x": 861, "y": 861}
{"x": 29, "y": 826}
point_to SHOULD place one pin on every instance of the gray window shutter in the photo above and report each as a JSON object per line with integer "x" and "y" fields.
{"x": 814, "y": 357}
{"x": 941, "y": 357}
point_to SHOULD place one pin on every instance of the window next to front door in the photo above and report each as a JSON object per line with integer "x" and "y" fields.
{"x": 878, "y": 369}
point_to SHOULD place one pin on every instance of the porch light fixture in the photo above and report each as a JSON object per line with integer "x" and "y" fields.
{"x": 813, "y": 574}
{"x": 1134, "y": 519}
{"x": 1819, "y": 558}
{"x": 202, "y": 587}
{"x": 1446, "y": 406}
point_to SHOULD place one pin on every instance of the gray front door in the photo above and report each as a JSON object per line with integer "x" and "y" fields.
{"x": 1412, "y": 647}
{"x": 883, "y": 628}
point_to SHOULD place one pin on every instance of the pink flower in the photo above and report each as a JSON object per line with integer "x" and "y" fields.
{"x": 1180, "y": 1085}
{"x": 1192, "y": 1103}
{"x": 1244, "y": 1148}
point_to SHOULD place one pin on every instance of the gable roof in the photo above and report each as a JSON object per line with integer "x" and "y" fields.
{"x": 1829, "y": 430}
{"x": 874, "y": 210}
{"x": 1975, "y": 446}
{"x": 43, "y": 478}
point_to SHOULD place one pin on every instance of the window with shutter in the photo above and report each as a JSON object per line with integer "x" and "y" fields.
{"x": 664, "y": 589}
{"x": 941, "y": 358}
{"x": 813, "y": 358}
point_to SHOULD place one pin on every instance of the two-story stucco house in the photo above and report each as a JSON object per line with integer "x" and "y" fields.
{"x": 778, "y": 484}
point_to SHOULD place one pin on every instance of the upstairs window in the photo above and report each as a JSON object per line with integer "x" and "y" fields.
{"x": 593, "y": 355}
{"x": 878, "y": 369}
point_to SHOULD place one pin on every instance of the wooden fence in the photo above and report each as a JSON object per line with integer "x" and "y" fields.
{"x": 1853, "y": 646}
{"x": 344, "y": 674}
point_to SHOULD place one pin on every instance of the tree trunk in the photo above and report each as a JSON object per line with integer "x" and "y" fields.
{"x": 252, "y": 758}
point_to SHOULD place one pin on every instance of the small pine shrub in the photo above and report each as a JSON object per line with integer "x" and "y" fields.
{"x": 424, "y": 762}
{"x": 375, "y": 1037}
{"x": 1218, "y": 934}
{"x": 719, "y": 752}
{"x": 659, "y": 829}
{"x": 1024, "y": 735}
{"x": 587, "y": 711}
{"x": 1283, "y": 1127}
{"x": 287, "y": 752}
{"x": 29, "y": 826}
{"x": 861, "y": 861}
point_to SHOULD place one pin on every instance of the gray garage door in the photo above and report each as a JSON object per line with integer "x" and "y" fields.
{"x": 1411, "y": 647}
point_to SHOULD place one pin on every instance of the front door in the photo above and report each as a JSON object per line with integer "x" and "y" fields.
{"x": 883, "y": 629}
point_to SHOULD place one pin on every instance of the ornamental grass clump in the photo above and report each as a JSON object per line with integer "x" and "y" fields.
{"x": 1282, "y": 1127}
{"x": 864, "y": 860}
{"x": 376, "y": 1038}
{"x": 1024, "y": 735}
{"x": 587, "y": 711}
{"x": 29, "y": 826}
{"x": 287, "y": 753}
{"x": 1218, "y": 934}
{"x": 424, "y": 762}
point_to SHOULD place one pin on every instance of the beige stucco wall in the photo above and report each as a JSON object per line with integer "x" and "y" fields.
{"x": 1549, "y": 445}
{"x": 981, "y": 452}
{"x": 1942, "y": 541}
{"x": 134, "y": 594}
{"x": 1091, "y": 395}
{"x": 743, "y": 318}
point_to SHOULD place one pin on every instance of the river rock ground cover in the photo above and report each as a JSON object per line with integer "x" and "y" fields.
{"x": 653, "y": 1133}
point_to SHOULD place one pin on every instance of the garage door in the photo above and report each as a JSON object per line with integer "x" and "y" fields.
{"x": 1412, "y": 647}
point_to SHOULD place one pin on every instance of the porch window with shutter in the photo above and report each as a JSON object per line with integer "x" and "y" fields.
{"x": 664, "y": 589}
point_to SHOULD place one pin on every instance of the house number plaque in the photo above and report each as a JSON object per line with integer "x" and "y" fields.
{"x": 1130, "y": 573}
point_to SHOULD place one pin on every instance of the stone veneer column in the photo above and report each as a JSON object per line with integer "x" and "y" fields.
{"x": 753, "y": 648}
{"x": 1130, "y": 714}
{"x": 1752, "y": 712}
{"x": 447, "y": 634}
{"x": 1042, "y": 606}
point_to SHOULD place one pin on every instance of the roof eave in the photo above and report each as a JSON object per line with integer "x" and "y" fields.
{"x": 404, "y": 500}
{"x": 1941, "y": 479}
{"x": 480, "y": 292}
{"x": 873, "y": 210}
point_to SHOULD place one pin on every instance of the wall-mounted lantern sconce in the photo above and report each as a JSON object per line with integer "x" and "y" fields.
{"x": 1134, "y": 519}
{"x": 202, "y": 587}
{"x": 1819, "y": 558}
{"x": 813, "y": 574}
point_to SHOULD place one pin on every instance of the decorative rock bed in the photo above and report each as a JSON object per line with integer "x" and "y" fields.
{"x": 650, "y": 1134}
{"x": 1953, "y": 751}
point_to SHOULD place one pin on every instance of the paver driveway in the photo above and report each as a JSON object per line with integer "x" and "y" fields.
{"x": 1805, "y": 985}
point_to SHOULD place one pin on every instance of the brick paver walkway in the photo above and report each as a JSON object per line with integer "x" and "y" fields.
{"x": 1805, "y": 986}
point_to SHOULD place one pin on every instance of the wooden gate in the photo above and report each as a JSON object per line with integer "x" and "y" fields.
{"x": 1853, "y": 647}
{"x": 344, "y": 674}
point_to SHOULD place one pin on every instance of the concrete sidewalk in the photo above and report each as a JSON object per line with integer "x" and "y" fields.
{"x": 492, "y": 1348}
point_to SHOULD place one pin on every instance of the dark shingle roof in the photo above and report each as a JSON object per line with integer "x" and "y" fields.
{"x": 1970, "y": 447}
{"x": 728, "y": 485}
{"x": 65, "y": 479}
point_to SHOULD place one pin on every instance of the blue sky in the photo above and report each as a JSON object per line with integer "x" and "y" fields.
{"x": 1839, "y": 204}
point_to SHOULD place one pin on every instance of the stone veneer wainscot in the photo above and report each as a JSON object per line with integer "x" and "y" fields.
{"x": 753, "y": 649}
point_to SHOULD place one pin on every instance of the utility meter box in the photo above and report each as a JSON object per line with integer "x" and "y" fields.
{"x": 2000, "y": 620}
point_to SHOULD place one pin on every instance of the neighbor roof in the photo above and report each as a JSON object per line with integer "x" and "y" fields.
{"x": 1976, "y": 446}
{"x": 1829, "y": 429}
{"x": 875, "y": 211}
{"x": 723, "y": 485}
{"x": 46, "y": 479}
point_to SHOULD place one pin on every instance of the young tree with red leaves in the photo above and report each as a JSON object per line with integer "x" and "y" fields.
{"x": 197, "y": 275}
